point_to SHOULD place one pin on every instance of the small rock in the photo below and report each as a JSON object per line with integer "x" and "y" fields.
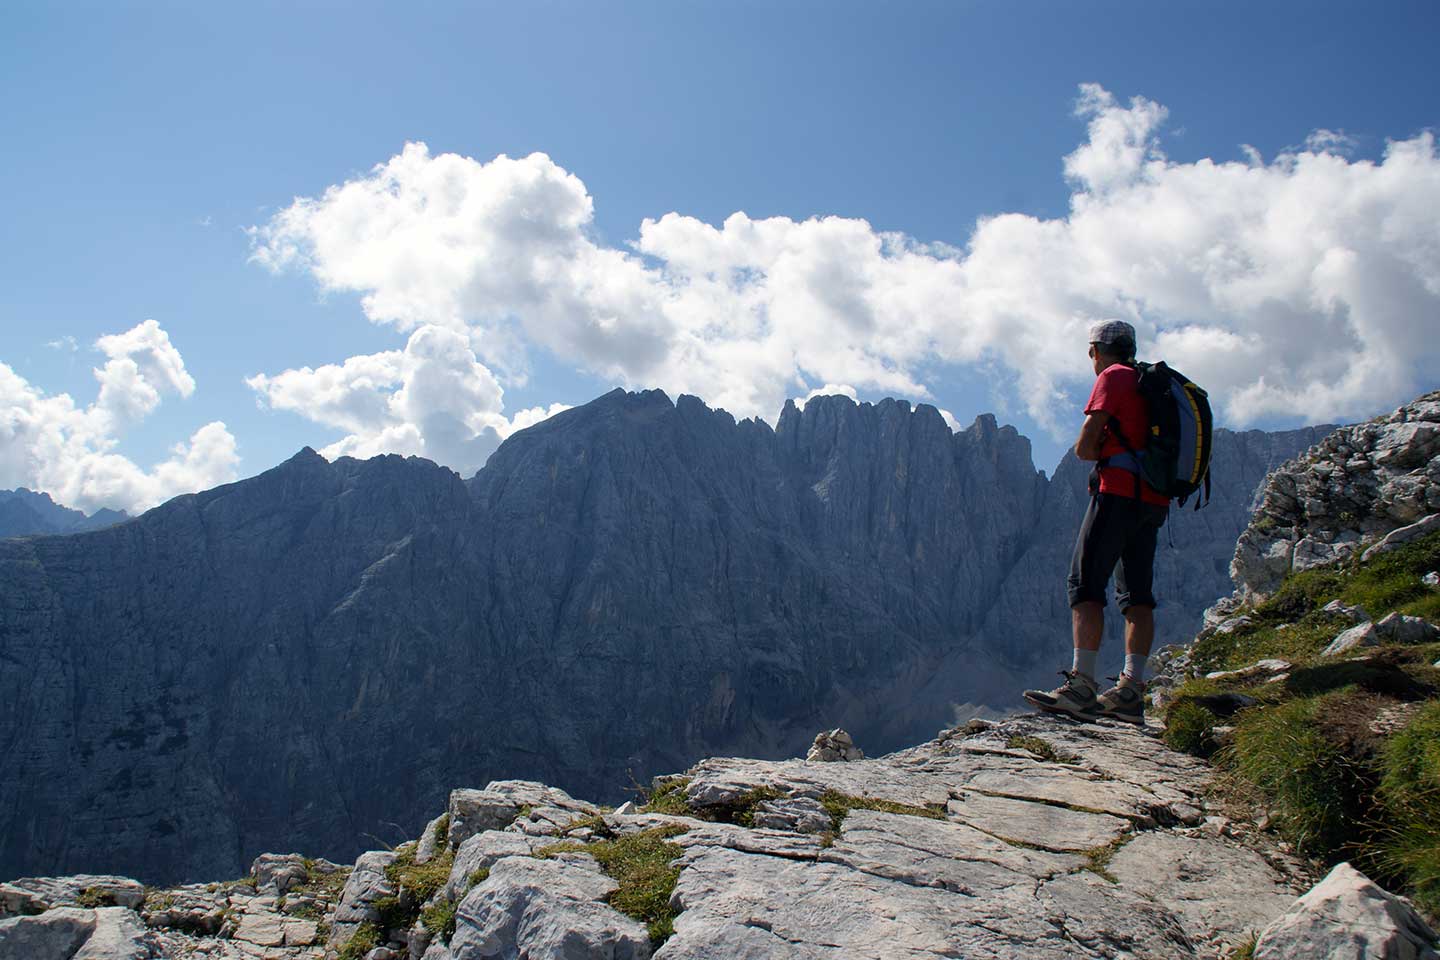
{"x": 1186, "y": 814}
{"x": 626, "y": 809}
{"x": 797, "y": 814}
{"x": 1431, "y": 580}
{"x": 977, "y": 725}
{"x": 429, "y": 843}
{"x": 381, "y": 953}
{"x": 834, "y": 745}
{"x": 1347, "y": 915}
{"x": 1233, "y": 624}
{"x": 1338, "y": 608}
{"x": 1259, "y": 667}
{"x": 1216, "y": 826}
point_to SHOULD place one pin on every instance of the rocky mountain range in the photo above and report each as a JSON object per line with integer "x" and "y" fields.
{"x": 313, "y": 657}
{"x": 24, "y": 512}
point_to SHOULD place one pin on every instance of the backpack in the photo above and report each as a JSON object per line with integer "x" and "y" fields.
{"x": 1176, "y": 459}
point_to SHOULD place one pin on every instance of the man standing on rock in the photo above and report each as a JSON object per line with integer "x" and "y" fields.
{"x": 1120, "y": 526}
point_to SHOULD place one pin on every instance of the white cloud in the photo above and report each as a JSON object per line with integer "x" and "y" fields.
{"x": 432, "y": 399}
{"x": 1305, "y": 287}
{"x": 50, "y": 443}
{"x": 66, "y": 343}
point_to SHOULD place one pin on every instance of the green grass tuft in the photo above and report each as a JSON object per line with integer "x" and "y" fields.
{"x": 1041, "y": 748}
{"x": 642, "y": 864}
{"x": 365, "y": 939}
{"x": 1318, "y": 793}
{"x": 839, "y": 805}
{"x": 1409, "y": 795}
{"x": 669, "y": 798}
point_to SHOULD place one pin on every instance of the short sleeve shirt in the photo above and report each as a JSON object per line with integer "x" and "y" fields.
{"x": 1117, "y": 392}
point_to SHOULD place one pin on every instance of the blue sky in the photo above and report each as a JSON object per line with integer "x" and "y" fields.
{"x": 144, "y": 140}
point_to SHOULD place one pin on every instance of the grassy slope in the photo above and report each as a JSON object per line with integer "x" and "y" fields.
{"x": 1308, "y": 748}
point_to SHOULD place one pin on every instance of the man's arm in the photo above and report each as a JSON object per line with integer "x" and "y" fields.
{"x": 1092, "y": 435}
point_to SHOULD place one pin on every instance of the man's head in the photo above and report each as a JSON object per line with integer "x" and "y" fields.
{"x": 1111, "y": 341}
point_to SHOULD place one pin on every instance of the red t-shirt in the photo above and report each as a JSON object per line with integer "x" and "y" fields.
{"x": 1117, "y": 392}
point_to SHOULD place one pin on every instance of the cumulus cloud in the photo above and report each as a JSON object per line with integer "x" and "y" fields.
{"x": 51, "y": 443}
{"x": 432, "y": 399}
{"x": 1304, "y": 287}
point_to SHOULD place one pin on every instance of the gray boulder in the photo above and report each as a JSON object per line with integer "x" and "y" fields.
{"x": 1348, "y": 917}
{"x": 53, "y": 935}
{"x": 1338, "y": 608}
{"x": 366, "y": 884}
{"x": 278, "y": 872}
{"x": 118, "y": 935}
{"x": 1403, "y": 535}
{"x": 545, "y": 910}
{"x": 1365, "y": 635}
{"x": 497, "y": 806}
{"x": 481, "y": 852}
{"x": 1395, "y": 628}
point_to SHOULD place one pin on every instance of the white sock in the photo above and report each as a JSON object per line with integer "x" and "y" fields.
{"x": 1135, "y": 666}
{"x": 1085, "y": 663}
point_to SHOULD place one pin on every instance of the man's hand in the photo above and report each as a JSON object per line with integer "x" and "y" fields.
{"x": 1092, "y": 436}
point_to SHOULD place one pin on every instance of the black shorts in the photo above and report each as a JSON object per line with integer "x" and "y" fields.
{"x": 1116, "y": 529}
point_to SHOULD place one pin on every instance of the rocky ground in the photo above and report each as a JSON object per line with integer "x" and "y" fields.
{"x": 1033, "y": 837}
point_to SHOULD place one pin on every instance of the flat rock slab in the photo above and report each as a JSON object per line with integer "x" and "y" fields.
{"x": 740, "y": 905}
{"x": 1040, "y": 824}
{"x": 1221, "y": 893}
{"x": 1056, "y": 783}
{"x": 724, "y": 781}
{"x": 938, "y": 853}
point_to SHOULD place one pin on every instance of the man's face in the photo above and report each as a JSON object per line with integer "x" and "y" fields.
{"x": 1098, "y": 362}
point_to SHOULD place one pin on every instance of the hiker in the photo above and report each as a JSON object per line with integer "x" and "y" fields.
{"x": 1120, "y": 525}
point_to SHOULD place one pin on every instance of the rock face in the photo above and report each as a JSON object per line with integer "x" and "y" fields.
{"x": 1361, "y": 484}
{"x": 625, "y": 587}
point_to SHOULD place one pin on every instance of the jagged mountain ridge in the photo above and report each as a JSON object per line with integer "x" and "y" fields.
{"x": 625, "y": 587}
{"x": 24, "y": 513}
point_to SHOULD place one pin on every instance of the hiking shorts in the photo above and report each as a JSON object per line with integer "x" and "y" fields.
{"x": 1116, "y": 530}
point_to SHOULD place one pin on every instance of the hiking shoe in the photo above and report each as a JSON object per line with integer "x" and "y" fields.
{"x": 1124, "y": 701}
{"x": 1073, "y": 698}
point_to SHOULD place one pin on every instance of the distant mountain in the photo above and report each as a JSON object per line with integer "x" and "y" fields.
{"x": 25, "y": 512}
{"x": 296, "y": 660}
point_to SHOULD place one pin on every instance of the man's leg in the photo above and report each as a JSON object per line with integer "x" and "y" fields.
{"x": 1087, "y": 626}
{"x": 1133, "y": 591}
{"x": 1097, "y": 549}
{"x": 1139, "y": 635}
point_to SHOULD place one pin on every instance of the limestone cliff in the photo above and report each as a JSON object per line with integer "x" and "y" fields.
{"x": 311, "y": 656}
